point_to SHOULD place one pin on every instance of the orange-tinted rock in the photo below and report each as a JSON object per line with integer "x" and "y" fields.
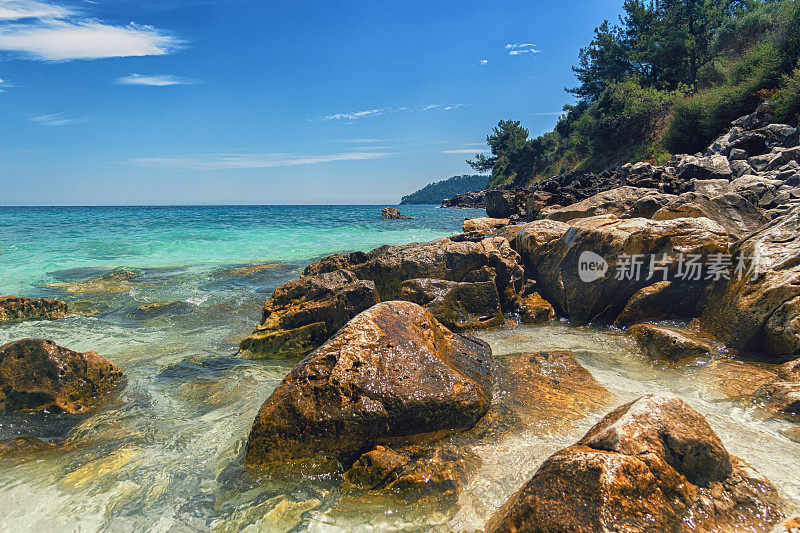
{"x": 23, "y": 447}
{"x": 668, "y": 344}
{"x": 533, "y": 309}
{"x": 624, "y": 202}
{"x": 303, "y": 314}
{"x": 17, "y": 309}
{"x": 37, "y": 375}
{"x": 784, "y": 398}
{"x": 458, "y": 305}
{"x": 392, "y": 372}
{"x": 652, "y": 465}
{"x": 484, "y": 225}
{"x": 664, "y": 299}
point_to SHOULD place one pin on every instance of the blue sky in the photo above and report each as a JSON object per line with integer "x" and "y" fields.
{"x": 270, "y": 102}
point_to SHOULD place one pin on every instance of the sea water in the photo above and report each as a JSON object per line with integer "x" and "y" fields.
{"x": 187, "y": 284}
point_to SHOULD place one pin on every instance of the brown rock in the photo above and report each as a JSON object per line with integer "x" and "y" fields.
{"x": 784, "y": 398}
{"x": 458, "y": 305}
{"x": 37, "y": 375}
{"x": 392, "y": 372}
{"x": 392, "y": 213}
{"x": 552, "y": 251}
{"x": 665, "y": 343}
{"x": 485, "y": 225}
{"x": 652, "y": 465}
{"x": 791, "y": 370}
{"x": 761, "y": 315}
{"x": 23, "y": 447}
{"x": 413, "y": 472}
{"x": 304, "y": 313}
{"x": 625, "y": 202}
{"x": 739, "y": 217}
{"x": 113, "y": 283}
{"x": 533, "y": 309}
{"x": 506, "y": 203}
{"x": 664, "y": 299}
{"x": 17, "y": 309}
{"x": 335, "y": 262}
{"x": 738, "y": 379}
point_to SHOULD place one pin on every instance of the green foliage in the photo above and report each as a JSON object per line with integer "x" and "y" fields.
{"x": 786, "y": 105}
{"x": 436, "y": 193}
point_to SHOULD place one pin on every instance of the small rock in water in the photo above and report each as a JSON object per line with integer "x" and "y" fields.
{"x": 392, "y": 213}
{"x": 665, "y": 343}
{"x": 652, "y": 465}
{"x": 114, "y": 283}
{"x": 17, "y": 309}
{"x": 38, "y": 375}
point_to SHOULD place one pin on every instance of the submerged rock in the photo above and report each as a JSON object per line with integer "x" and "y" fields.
{"x": 113, "y": 283}
{"x": 652, "y": 465}
{"x": 37, "y": 375}
{"x": 17, "y": 309}
{"x": 458, "y": 305}
{"x": 23, "y": 447}
{"x": 554, "y": 252}
{"x": 304, "y": 313}
{"x": 392, "y": 372}
{"x": 759, "y": 310}
{"x": 665, "y": 343}
{"x": 413, "y": 472}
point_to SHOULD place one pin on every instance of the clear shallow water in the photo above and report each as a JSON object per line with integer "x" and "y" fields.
{"x": 165, "y": 455}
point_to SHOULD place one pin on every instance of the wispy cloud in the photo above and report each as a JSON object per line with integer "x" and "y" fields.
{"x": 463, "y": 151}
{"x": 484, "y": 61}
{"x": 30, "y": 9}
{"x": 355, "y": 115}
{"x": 251, "y": 161}
{"x": 360, "y": 141}
{"x": 441, "y": 107}
{"x": 551, "y": 114}
{"x": 47, "y": 32}
{"x": 3, "y": 85}
{"x": 522, "y": 48}
{"x": 57, "y": 119}
{"x": 155, "y": 81}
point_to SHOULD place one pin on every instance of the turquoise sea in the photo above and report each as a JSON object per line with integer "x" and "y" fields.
{"x": 167, "y": 293}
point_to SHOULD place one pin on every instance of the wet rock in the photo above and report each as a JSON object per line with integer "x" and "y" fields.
{"x": 664, "y": 299}
{"x": 625, "y": 202}
{"x": 784, "y": 398}
{"x": 413, "y": 472}
{"x": 739, "y": 217}
{"x": 18, "y": 309}
{"x": 485, "y": 225}
{"x": 335, "y": 262}
{"x": 552, "y": 252}
{"x": 37, "y": 375}
{"x": 665, "y": 343}
{"x": 304, "y": 313}
{"x": 758, "y": 309}
{"x": 392, "y": 213}
{"x": 23, "y": 447}
{"x": 548, "y": 389}
{"x": 791, "y": 370}
{"x": 113, "y": 283}
{"x": 458, "y": 305}
{"x": 652, "y": 465}
{"x": 157, "y": 309}
{"x": 392, "y": 372}
{"x": 533, "y": 309}
{"x": 737, "y": 379}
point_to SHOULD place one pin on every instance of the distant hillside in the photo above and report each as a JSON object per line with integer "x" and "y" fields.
{"x": 436, "y": 193}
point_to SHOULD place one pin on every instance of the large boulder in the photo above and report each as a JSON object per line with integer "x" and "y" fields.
{"x": 484, "y": 224}
{"x": 652, "y": 465}
{"x": 304, "y": 313}
{"x": 758, "y": 309}
{"x": 506, "y": 203}
{"x": 739, "y": 217}
{"x": 665, "y": 343}
{"x": 17, "y": 309}
{"x": 588, "y": 268}
{"x": 625, "y": 202}
{"x": 704, "y": 168}
{"x": 38, "y": 375}
{"x": 392, "y": 372}
{"x": 458, "y": 305}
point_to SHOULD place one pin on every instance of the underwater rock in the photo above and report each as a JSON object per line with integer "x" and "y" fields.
{"x": 156, "y": 309}
{"x": 485, "y": 225}
{"x": 554, "y": 252}
{"x": 759, "y": 312}
{"x": 784, "y": 398}
{"x": 665, "y": 343}
{"x": 18, "y": 309}
{"x": 21, "y": 448}
{"x": 392, "y": 372}
{"x": 114, "y": 283}
{"x": 304, "y": 313}
{"x": 413, "y": 471}
{"x": 652, "y": 465}
{"x": 458, "y": 305}
{"x": 38, "y": 375}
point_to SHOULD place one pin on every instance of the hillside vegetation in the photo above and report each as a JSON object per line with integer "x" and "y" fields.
{"x": 668, "y": 78}
{"x": 436, "y": 193}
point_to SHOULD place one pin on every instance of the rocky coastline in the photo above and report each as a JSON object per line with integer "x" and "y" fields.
{"x": 391, "y": 394}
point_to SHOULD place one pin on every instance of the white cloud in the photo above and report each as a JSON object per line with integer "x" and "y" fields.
{"x": 155, "y": 81}
{"x": 555, "y": 114}
{"x": 250, "y": 161}
{"x": 441, "y": 107}
{"x": 484, "y": 61}
{"x": 360, "y": 141}
{"x": 57, "y": 119}
{"x": 465, "y": 151}
{"x": 4, "y": 84}
{"x": 356, "y": 114}
{"x": 522, "y": 48}
{"x": 30, "y": 9}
